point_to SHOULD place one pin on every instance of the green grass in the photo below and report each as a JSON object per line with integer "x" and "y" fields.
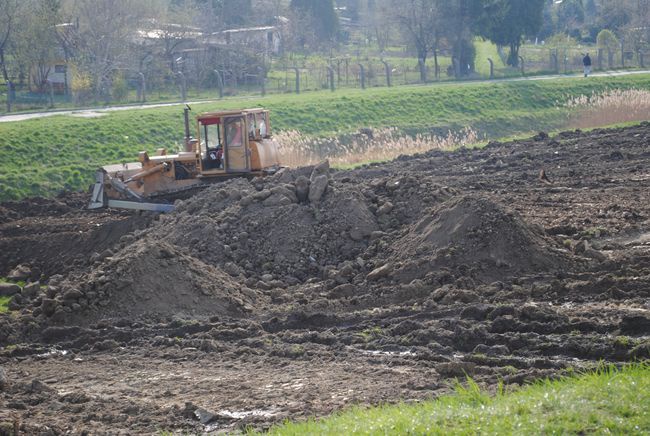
{"x": 486, "y": 50}
{"x": 4, "y": 304}
{"x": 608, "y": 400}
{"x": 49, "y": 155}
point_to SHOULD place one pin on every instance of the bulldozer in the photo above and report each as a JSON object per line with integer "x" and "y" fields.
{"x": 227, "y": 144}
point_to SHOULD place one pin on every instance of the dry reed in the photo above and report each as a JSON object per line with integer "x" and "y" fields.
{"x": 611, "y": 107}
{"x": 297, "y": 149}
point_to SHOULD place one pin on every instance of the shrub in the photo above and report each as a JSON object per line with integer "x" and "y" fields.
{"x": 607, "y": 40}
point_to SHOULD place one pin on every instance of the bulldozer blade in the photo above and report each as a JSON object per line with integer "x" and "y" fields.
{"x": 98, "y": 198}
{"x": 133, "y": 205}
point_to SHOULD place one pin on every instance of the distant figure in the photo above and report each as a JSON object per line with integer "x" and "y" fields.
{"x": 586, "y": 61}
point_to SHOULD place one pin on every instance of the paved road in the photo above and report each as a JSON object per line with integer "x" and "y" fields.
{"x": 97, "y": 112}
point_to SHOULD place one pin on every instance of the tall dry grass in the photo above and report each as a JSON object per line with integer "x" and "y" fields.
{"x": 297, "y": 149}
{"x": 611, "y": 107}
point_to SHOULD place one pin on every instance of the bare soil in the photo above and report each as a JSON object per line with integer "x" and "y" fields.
{"x": 313, "y": 290}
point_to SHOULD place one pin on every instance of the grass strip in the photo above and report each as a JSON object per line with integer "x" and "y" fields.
{"x": 43, "y": 157}
{"x": 608, "y": 400}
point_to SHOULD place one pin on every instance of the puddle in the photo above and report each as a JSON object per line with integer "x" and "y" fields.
{"x": 384, "y": 353}
{"x": 227, "y": 415}
{"x": 53, "y": 352}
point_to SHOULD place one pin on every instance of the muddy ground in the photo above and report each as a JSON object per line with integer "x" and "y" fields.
{"x": 313, "y": 290}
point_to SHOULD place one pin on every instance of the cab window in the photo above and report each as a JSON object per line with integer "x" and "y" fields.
{"x": 234, "y": 133}
{"x": 212, "y": 136}
{"x": 262, "y": 124}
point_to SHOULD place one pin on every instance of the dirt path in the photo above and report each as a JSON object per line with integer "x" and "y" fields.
{"x": 260, "y": 301}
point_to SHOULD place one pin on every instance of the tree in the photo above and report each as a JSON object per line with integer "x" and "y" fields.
{"x": 462, "y": 18}
{"x": 320, "y": 17}
{"x": 9, "y": 10}
{"x": 570, "y": 17}
{"x": 225, "y": 14}
{"x": 420, "y": 22}
{"x": 104, "y": 38}
{"x": 507, "y": 22}
{"x": 35, "y": 43}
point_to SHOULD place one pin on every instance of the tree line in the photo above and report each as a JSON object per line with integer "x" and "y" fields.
{"x": 99, "y": 40}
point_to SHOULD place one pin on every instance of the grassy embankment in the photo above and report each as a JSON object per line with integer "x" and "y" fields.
{"x": 45, "y": 156}
{"x": 604, "y": 402}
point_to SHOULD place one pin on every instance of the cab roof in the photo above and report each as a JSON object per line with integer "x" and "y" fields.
{"x": 212, "y": 115}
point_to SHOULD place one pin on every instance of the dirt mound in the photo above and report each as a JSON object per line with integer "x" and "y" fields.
{"x": 262, "y": 230}
{"x": 479, "y": 236}
{"x": 63, "y": 242}
{"x": 152, "y": 280}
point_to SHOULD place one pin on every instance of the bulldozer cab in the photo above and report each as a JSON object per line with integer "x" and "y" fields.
{"x": 225, "y": 139}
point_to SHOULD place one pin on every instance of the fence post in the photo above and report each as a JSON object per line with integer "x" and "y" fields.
{"x": 600, "y": 58}
{"x": 641, "y": 63}
{"x": 51, "y": 89}
{"x": 388, "y": 73}
{"x": 362, "y": 76}
{"x": 521, "y": 62}
{"x": 555, "y": 65}
{"x": 143, "y": 87}
{"x": 330, "y": 78}
{"x": 9, "y": 96}
{"x": 297, "y": 79}
{"x": 566, "y": 62}
{"x": 491, "y": 68}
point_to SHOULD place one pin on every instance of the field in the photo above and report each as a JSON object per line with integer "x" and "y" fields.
{"x": 266, "y": 300}
{"x": 47, "y": 156}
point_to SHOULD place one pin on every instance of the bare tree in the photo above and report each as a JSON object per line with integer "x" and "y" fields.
{"x": 105, "y": 37}
{"x": 170, "y": 28}
{"x": 420, "y": 21}
{"x": 377, "y": 18}
{"x": 8, "y": 14}
{"x": 35, "y": 43}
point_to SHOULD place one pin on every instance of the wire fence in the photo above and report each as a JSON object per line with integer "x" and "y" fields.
{"x": 332, "y": 74}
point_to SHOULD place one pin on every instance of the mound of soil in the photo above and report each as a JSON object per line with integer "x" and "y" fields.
{"x": 147, "y": 280}
{"x": 57, "y": 236}
{"x": 480, "y": 234}
{"x": 263, "y": 229}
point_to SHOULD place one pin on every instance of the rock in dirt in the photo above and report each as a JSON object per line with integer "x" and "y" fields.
{"x": 48, "y": 306}
{"x": 322, "y": 169}
{"x": 317, "y": 188}
{"x": 380, "y": 273}
{"x": 31, "y": 290}
{"x": 205, "y": 417}
{"x": 9, "y": 289}
{"x": 21, "y": 272}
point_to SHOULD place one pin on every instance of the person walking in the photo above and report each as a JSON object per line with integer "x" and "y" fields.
{"x": 586, "y": 61}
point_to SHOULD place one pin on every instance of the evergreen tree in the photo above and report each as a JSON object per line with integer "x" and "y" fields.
{"x": 507, "y": 22}
{"x": 321, "y": 16}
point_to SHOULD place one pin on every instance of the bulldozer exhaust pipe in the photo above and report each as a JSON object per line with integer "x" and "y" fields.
{"x": 186, "y": 116}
